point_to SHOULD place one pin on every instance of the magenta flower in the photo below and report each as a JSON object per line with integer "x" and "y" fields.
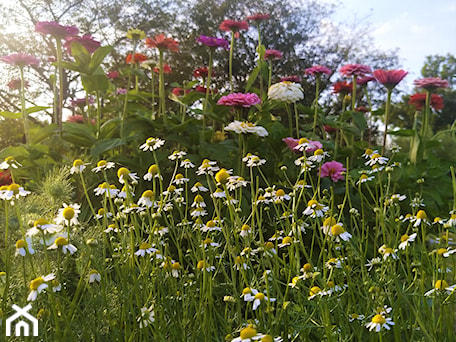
{"x": 355, "y": 70}
{"x": 293, "y": 143}
{"x": 20, "y": 59}
{"x": 389, "y": 78}
{"x": 272, "y": 54}
{"x": 231, "y": 25}
{"x": 239, "y": 100}
{"x": 431, "y": 83}
{"x": 86, "y": 40}
{"x": 15, "y": 84}
{"x": 317, "y": 70}
{"x": 291, "y": 78}
{"x": 213, "y": 42}
{"x": 82, "y": 102}
{"x": 332, "y": 169}
{"x": 56, "y": 30}
{"x": 112, "y": 74}
{"x": 364, "y": 80}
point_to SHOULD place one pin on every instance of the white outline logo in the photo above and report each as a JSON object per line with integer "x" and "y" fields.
{"x": 22, "y": 325}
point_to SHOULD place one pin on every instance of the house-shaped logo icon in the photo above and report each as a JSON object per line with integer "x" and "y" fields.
{"x": 22, "y": 325}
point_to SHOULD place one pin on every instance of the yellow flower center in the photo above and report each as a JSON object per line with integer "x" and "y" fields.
{"x": 375, "y": 155}
{"x": 20, "y": 244}
{"x": 176, "y": 266}
{"x": 307, "y": 267}
{"x": 280, "y": 193}
{"x": 259, "y": 296}
{"x": 245, "y": 227}
{"x": 248, "y": 332}
{"x": 101, "y": 163}
{"x": 330, "y": 284}
{"x": 379, "y": 319}
{"x": 14, "y": 188}
{"x": 388, "y": 250}
{"x": 267, "y": 338}
{"x": 201, "y": 264}
{"x": 40, "y": 222}
{"x": 287, "y": 240}
{"x": 179, "y": 176}
{"x": 222, "y": 176}
{"x": 145, "y": 245}
{"x": 453, "y": 216}
{"x": 363, "y": 176}
{"x": 318, "y": 152}
{"x": 368, "y": 152}
{"x": 404, "y": 238}
{"x": 246, "y": 291}
{"x": 101, "y": 211}
{"x": 148, "y": 193}
{"x": 337, "y": 229}
{"x": 314, "y": 290}
{"x": 312, "y": 203}
{"x": 123, "y": 171}
{"x": 35, "y": 283}
{"x": 68, "y": 213}
{"x": 239, "y": 260}
{"x": 171, "y": 188}
{"x": 61, "y": 241}
{"x": 78, "y": 162}
{"x": 440, "y": 284}
{"x": 303, "y": 141}
{"x": 210, "y": 224}
{"x": 207, "y": 241}
{"x": 421, "y": 214}
{"x": 198, "y": 199}
{"x": 269, "y": 245}
{"x": 440, "y": 251}
{"x": 330, "y": 221}
{"x": 10, "y": 160}
{"x": 153, "y": 169}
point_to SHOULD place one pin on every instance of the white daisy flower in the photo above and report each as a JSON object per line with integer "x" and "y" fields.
{"x": 94, "y": 276}
{"x": 9, "y": 162}
{"x": 37, "y": 285}
{"x": 152, "y": 144}
{"x": 22, "y": 248}
{"x": 378, "y": 322}
{"x": 177, "y": 155}
{"x": 78, "y": 166}
{"x": 286, "y": 91}
{"x": 68, "y": 214}
{"x": 145, "y": 248}
{"x": 406, "y": 240}
{"x": 66, "y": 246}
{"x": 103, "y": 165}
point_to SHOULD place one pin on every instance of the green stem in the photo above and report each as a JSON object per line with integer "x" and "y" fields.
{"x": 387, "y": 110}
{"x": 161, "y": 88}
{"x": 61, "y": 90}
{"x": 317, "y": 91}
{"x": 231, "y": 61}
{"x": 353, "y": 94}
{"x": 23, "y": 110}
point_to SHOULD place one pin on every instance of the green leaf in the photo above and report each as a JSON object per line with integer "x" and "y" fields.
{"x": 81, "y": 55}
{"x": 36, "y": 109}
{"x": 360, "y": 120}
{"x": 10, "y": 115}
{"x": 403, "y": 132}
{"x": 105, "y": 145}
{"x": 98, "y": 56}
{"x": 253, "y": 76}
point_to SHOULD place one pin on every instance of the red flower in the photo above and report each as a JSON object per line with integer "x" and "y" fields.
{"x": 272, "y": 54}
{"x": 166, "y": 69}
{"x": 162, "y": 43}
{"x": 231, "y": 25}
{"x": 180, "y": 91}
{"x": 79, "y": 119}
{"x": 258, "y": 17}
{"x": 330, "y": 129}
{"x": 56, "y": 30}
{"x": 317, "y": 70}
{"x": 419, "y": 100}
{"x": 239, "y": 100}
{"x": 201, "y": 72}
{"x": 355, "y": 70}
{"x": 86, "y": 40}
{"x": 138, "y": 58}
{"x": 5, "y": 177}
{"x": 332, "y": 169}
{"x": 431, "y": 83}
{"x": 343, "y": 88}
{"x": 389, "y": 78}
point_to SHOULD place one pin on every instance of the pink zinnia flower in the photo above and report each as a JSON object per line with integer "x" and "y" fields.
{"x": 317, "y": 70}
{"x": 56, "y": 30}
{"x": 213, "y": 42}
{"x": 332, "y": 169}
{"x": 350, "y": 70}
{"x": 389, "y": 78}
{"x": 258, "y": 17}
{"x": 364, "y": 80}
{"x": 79, "y": 119}
{"x": 231, "y": 25}
{"x": 272, "y": 54}
{"x": 239, "y": 100}
{"x": 419, "y": 100}
{"x": 15, "y": 84}
{"x": 292, "y": 143}
{"x": 431, "y": 83}
{"x": 20, "y": 59}
{"x": 90, "y": 44}
{"x": 291, "y": 78}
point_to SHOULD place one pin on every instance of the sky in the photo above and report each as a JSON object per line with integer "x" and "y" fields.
{"x": 417, "y": 27}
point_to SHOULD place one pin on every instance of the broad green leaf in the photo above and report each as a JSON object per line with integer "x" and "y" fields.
{"x": 98, "y": 56}
{"x": 403, "y": 132}
{"x": 253, "y": 76}
{"x": 36, "y": 109}
{"x": 105, "y": 145}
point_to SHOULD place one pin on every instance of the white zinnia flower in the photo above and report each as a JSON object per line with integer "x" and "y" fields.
{"x": 285, "y": 91}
